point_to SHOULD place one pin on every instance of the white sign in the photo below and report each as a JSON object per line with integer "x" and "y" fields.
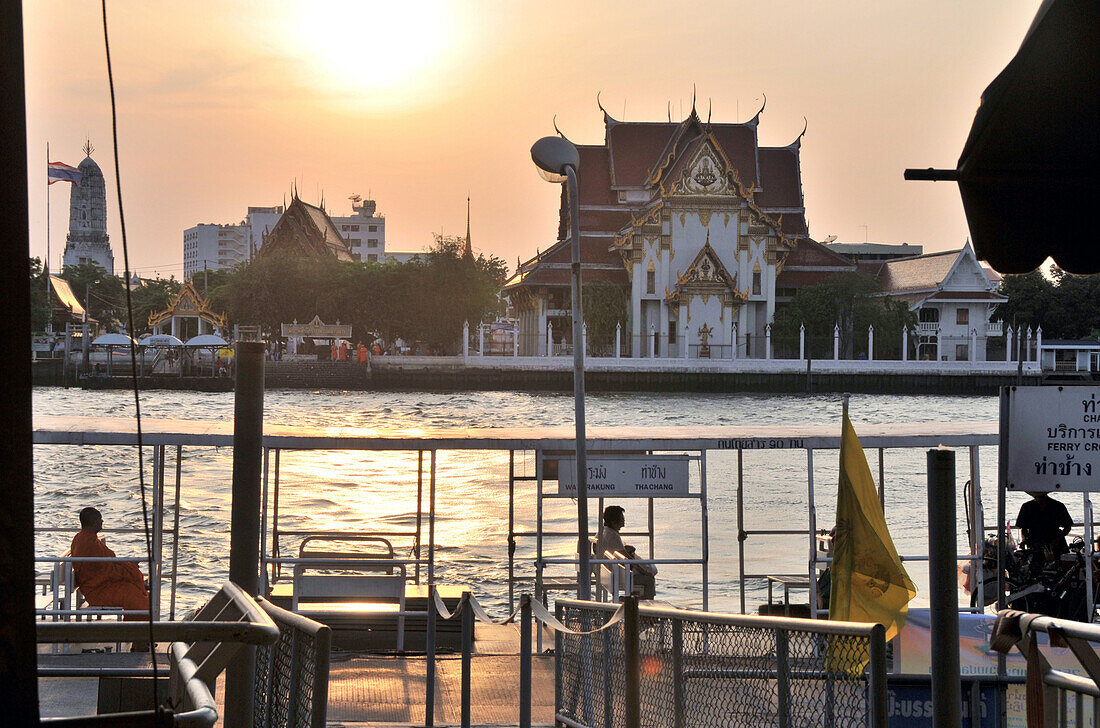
{"x": 628, "y": 476}
{"x": 1053, "y": 438}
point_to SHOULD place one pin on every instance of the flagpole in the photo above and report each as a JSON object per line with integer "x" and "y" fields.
{"x": 46, "y": 265}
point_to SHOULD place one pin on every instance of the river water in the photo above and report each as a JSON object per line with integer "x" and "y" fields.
{"x": 376, "y": 491}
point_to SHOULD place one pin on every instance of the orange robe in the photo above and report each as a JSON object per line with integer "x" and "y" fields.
{"x": 107, "y": 584}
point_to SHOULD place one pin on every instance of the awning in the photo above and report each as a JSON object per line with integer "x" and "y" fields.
{"x": 1028, "y": 172}
{"x": 206, "y": 340}
{"x": 112, "y": 340}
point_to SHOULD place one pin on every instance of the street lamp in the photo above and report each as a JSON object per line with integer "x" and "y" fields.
{"x": 557, "y": 161}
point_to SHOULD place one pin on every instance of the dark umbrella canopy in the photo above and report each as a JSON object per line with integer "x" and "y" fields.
{"x": 1028, "y": 172}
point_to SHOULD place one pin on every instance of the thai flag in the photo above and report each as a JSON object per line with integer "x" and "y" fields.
{"x": 61, "y": 172}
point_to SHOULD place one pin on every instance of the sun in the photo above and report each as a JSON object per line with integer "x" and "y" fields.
{"x": 362, "y": 47}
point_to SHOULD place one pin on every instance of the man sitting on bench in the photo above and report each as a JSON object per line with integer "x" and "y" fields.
{"x": 107, "y": 584}
{"x": 614, "y": 518}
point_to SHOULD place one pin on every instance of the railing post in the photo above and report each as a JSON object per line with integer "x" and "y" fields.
{"x": 618, "y": 340}
{"x": 871, "y": 342}
{"x": 783, "y": 676}
{"x": 904, "y": 343}
{"x": 632, "y": 663}
{"x": 429, "y": 662}
{"x": 467, "y": 616}
{"x": 836, "y": 342}
{"x": 244, "y": 540}
{"x": 678, "y": 673}
{"x": 802, "y": 341}
{"x": 466, "y": 339}
{"x": 943, "y": 589}
{"x": 525, "y": 661}
{"x": 876, "y": 679}
{"x": 768, "y": 341}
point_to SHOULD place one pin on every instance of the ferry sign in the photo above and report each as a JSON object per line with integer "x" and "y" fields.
{"x": 628, "y": 476}
{"x": 1053, "y": 438}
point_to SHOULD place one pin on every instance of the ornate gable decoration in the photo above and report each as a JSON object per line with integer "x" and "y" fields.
{"x": 189, "y": 302}
{"x": 705, "y": 174}
{"x": 705, "y": 276}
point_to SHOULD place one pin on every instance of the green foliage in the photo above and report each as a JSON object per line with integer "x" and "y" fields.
{"x": 605, "y": 307}
{"x": 1066, "y": 306}
{"x": 40, "y": 305}
{"x": 847, "y": 300}
{"x": 103, "y": 294}
{"x": 425, "y": 300}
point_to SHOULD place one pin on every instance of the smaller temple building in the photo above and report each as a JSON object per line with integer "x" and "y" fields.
{"x": 188, "y": 315}
{"x": 307, "y": 232}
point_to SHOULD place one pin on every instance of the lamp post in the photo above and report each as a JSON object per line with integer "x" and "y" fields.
{"x": 557, "y": 161}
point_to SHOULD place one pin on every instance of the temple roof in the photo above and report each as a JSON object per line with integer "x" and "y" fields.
{"x": 305, "y": 231}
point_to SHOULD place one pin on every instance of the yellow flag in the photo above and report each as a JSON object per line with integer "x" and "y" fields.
{"x": 868, "y": 581}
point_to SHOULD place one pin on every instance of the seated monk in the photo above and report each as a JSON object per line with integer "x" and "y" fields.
{"x": 107, "y": 584}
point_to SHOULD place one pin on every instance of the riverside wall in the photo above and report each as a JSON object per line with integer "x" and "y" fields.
{"x": 554, "y": 374}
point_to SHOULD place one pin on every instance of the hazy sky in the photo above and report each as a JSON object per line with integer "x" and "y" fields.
{"x": 224, "y": 104}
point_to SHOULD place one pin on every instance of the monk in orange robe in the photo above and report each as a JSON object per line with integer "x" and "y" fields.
{"x": 106, "y": 584}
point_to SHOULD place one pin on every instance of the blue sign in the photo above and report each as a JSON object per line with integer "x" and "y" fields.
{"x": 909, "y": 704}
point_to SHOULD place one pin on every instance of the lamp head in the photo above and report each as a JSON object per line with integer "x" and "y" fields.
{"x": 552, "y": 155}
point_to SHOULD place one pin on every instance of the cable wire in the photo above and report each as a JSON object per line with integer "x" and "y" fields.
{"x": 133, "y": 351}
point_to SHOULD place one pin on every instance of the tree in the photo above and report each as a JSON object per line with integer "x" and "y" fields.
{"x": 40, "y": 299}
{"x": 152, "y": 296}
{"x": 847, "y": 300}
{"x": 102, "y": 294}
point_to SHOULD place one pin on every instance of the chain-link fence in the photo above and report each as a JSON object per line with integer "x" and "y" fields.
{"x": 680, "y": 668}
{"x": 291, "y": 678}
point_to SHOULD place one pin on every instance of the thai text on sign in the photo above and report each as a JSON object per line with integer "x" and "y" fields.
{"x": 1053, "y": 438}
{"x": 626, "y": 476}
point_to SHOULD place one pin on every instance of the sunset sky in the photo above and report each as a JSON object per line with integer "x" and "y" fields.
{"x": 224, "y": 104}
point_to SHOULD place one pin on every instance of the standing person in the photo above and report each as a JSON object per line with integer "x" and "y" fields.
{"x": 362, "y": 353}
{"x": 1044, "y": 523}
{"x": 107, "y": 584}
{"x": 614, "y": 518}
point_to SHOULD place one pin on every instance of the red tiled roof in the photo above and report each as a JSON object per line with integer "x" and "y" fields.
{"x": 594, "y": 176}
{"x": 812, "y": 253}
{"x": 793, "y": 223}
{"x": 779, "y": 180}
{"x": 738, "y": 142}
{"x": 799, "y": 278}
{"x": 634, "y": 150}
{"x": 968, "y": 296}
{"x": 610, "y": 221}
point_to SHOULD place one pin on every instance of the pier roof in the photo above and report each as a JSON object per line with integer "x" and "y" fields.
{"x": 122, "y": 431}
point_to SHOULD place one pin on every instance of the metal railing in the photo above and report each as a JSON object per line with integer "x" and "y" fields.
{"x": 670, "y": 667}
{"x": 201, "y": 648}
{"x": 1055, "y": 697}
{"x": 291, "y": 685}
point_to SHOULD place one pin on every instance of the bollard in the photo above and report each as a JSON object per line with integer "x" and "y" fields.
{"x": 429, "y": 662}
{"x": 525, "y": 661}
{"x": 943, "y": 589}
{"x": 244, "y": 539}
{"x": 467, "y": 616}
{"x": 632, "y": 662}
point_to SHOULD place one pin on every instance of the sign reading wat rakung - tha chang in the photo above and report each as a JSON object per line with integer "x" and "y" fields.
{"x": 1053, "y": 438}
{"x": 639, "y": 476}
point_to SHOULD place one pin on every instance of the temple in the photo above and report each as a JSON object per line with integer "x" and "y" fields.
{"x": 307, "y": 232}
{"x": 88, "y": 241}
{"x": 703, "y": 229}
{"x": 189, "y": 314}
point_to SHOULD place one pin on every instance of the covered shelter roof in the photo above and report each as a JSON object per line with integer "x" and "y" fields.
{"x": 112, "y": 340}
{"x": 206, "y": 340}
{"x": 1030, "y": 168}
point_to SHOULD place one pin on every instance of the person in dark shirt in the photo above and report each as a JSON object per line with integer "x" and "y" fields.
{"x": 1044, "y": 523}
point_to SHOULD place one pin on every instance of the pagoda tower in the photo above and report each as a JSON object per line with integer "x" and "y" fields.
{"x": 88, "y": 241}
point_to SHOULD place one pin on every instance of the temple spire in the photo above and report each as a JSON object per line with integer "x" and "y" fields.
{"x": 468, "y": 251}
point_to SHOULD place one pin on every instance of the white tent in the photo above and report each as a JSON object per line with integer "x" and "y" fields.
{"x": 112, "y": 340}
{"x": 161, "y": 341}
{"x": 206, "y": 341}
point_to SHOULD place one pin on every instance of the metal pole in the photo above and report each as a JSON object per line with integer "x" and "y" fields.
{"x": 431, "y": 521}
{"x": 632, "y": 662}
{"x": 741, "y": 526}
{"x": 467, "y": 616}
{"x": 176, "y": 531}
{"x": 17, "y": 640}
{"x": 584, "y": 589}
{"x": 429, "y": 661}
{"x": 244, "y": 539}
{"x": 511, "y": 529}
{"x": 525, "y": 661}
{"x": 943, "y": 589}
{"x": 877, "y": 678}
{"x": 419, "y": 509}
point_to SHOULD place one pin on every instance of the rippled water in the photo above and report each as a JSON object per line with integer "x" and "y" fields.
{"x": 369, "y": 491}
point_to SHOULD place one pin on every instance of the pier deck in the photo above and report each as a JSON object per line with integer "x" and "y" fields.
{"x": 374, "y": 690}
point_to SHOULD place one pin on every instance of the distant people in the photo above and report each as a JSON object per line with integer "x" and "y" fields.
{"x": 107, "y": 584}
{"x": 614, "y": 518}
{"x": 1044, "y": 524}
{"x": 362, "y": 353}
